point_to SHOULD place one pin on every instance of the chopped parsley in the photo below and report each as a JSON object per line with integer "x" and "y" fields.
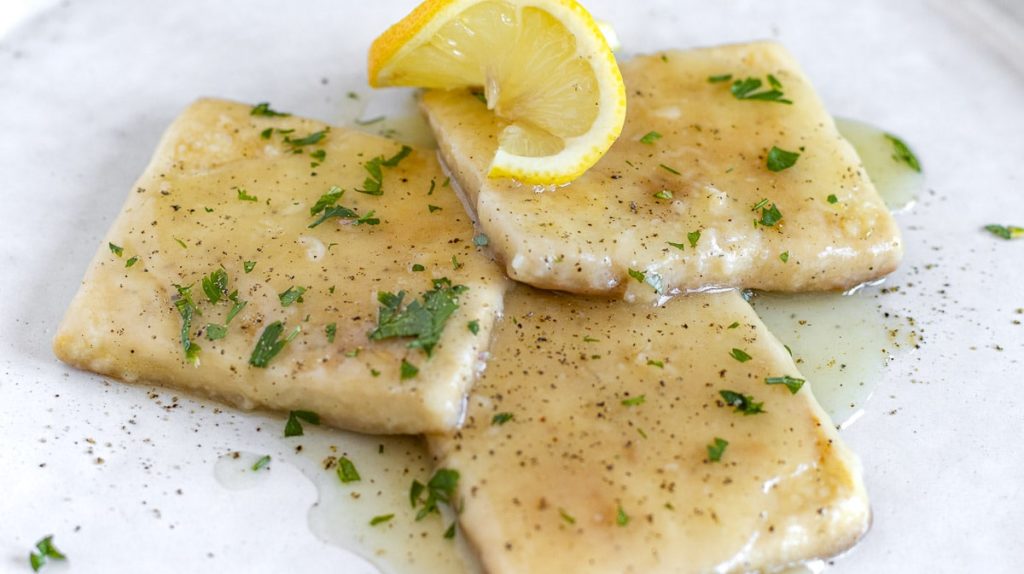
{"x": 473, "y": 326}
{"x": 589, "y": 339}
{"x": 248, "y": 266}
{"x": 312, "y": 139}
{"x": 653, "y": 363}
{"x": 327, "y": 200}
{"x": 501, "y": 418}
{"x": 180, "y": 242}
{"x": 770, "y": 214}
{"x": 215, "y": 331}
{"x": 693, "y": 237}
{"x": 740, "y": 355}
{"x": 374, "y": 183}
{"x": 291, "y": 295}
{"x": 793, "y": 384}
{"x": 381, "y": 519}
{"x": 832, "y": 198}
{"x": 780, "y": 159}
{"x": 263, "y": 109}
{"x": 243, "y": 195}
{"x": 440, "y": 489}
{"x": 45, "y": 550}
{"x": 456, "y": 264}
{"x": 294, "y": 425}
{"x": 331, "y": 331}
{"x": 319, "y": 155}
{"x": 270, "y": 344}
{"x": 742, "y": 403}
{"x": 408, "y": 370}
{"x": 433, "y": 208}
{"x": 717, "y": 449}
{"x": 634, "y": 401}
{"x": 235, "y": 310}
{"x": 425, "y": 321}
{"x": 751, "y": 89}
{"x": 668, "y": 169}
{"x": 719, "y": 79}
{"x": 663, "y": 194}
{"x": 1005, "y": 231}
{"x": 261, "y": 463}
{"x": 640, "y": 276}
{"x": 566, "y": 516}
{"x": 650, "y": 137}
{"x": 481, "y": 240}
{"x": 187, "y": 308}
{"x": 416, "y": 267}
{"x": 679, "y": 246}
{"x": 131, "y": 261}
{"x": 734, "y": 325}
{"x": 902, "y": 153}
{"x": 450, "y": 532}
{"x": 784, "y": 256}
{"x": 265, "y": 134}
{"x": 347, "y": 471}
{"x": 116, "y": 249}
{"x": 621, "y": 518}
{"x": 215, "y": 285}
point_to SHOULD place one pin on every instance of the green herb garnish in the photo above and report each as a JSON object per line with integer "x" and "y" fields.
{"x": 832, "y": 198}
{"x": 750, "y": 89}
{"x": 653, "y": 363}
{"x": 501, "y": 418}
{"x": 187, "y": 308}
{"x": 784, "y": 256}
{"x": 270, "y": 344}
{"x": 733, "y": 325}
{"x": 235, "y": 310}
{"x": 433, "y": 208}
{"x": 312, "y": 139}
{"x": 248, "y": 266}
{"x": 743, "y": 403}
{"x": 717, "y": 449}
{"x": 261, "y": 463}
{"x": 663, "y": 194}
{"x": 621, "y": 518}
{"x": 473, "y": 326}
{"x": 45, "y": 550}
{"x": 116, "y": 249}
{"x": 294, "y": 425}
{"x": 327, "y": 200}
{"x": 408, "y": 370}
{"x": 634, "y": 401}
{"x": 374, "y": 183}
{"x": 291, "y": 295}
{"x": 740, "y": 355}
{"x": 650, "y": 137}
{"x": 215, "y": 331}
{"x": 719, "y": 79}
{"x": 780, "y": 159}
{"x": 770, "y": 214}
{"x": 679, "y": 246}
{"x": 381, "y": 519}
{"x": 263, "y": 109}
{"x": 243, "y": 195}
{"x": 416, "y": 267}
{"x": 1005, "y": 231}
{"x": 215, "y": 285}
{"x": 347, "y": 471}
{"x": 640, "y": 276}
{"x": 566, "y": 516}
{"x": 902, "y": 153}
{"x": 440, "y": 489}
{"x": 693, "y": 237}
{"x": 331, "y": 331}
{"x": 793, "y": 384}
{"x": 131, "y": 261}
{"x": 425, "y": 321}
{"x": 668, "y": 169}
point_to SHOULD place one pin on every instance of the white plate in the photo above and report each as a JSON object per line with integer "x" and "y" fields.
{"x": 87, "y": 87}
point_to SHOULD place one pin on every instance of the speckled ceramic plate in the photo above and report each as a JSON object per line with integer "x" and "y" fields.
{"x": 125, "y": 476}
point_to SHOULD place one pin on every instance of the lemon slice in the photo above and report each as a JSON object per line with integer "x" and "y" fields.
{"x": 543, "y": 66}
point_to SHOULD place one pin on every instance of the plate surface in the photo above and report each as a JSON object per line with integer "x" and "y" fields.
{"x": 124, "y": 475}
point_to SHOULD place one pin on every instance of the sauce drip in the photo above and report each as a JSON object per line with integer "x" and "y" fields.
{"x": 897, "y": 183}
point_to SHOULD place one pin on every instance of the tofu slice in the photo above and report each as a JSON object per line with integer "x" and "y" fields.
{"x": 187, "y": 217}
{"x": 604, "y": 465}
{"x": 711, "y": 159}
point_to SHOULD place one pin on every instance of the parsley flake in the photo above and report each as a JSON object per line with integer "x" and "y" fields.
{"x": 433, "y": 208}
{"x": 187, "y": 308}
{"x": 663, "y": 194}
{"x": 832, "y": 198}
{"x": 734, "y": 325}
{"x": 634, "y": 401}
{"x": 294, "y": 425}
{"x": 650, "y": 137}
{"x": 261, "y": 463}
{"x": 1007, "y": 232}
{"x": 131, "y": 261}
{"x": 327, "y": 200}
{"x": 770, "y": 214}
{"x": 263, "y": 109}
{"x": 248, "y": 266}
{"x": 717, "y": 449}
{"x": 215, "y": 285}
{"x": 243, "y": 195}
{"x": 902, "y": 153}
{"x": 640, "y": 276}
{"x": 311, "y": 139}
{"x": 566, "y": 516}
{"x": 440, "y": 489}
{"x": 501, "y": 418}
{"x": 270, "y": 344}
{"x": 740, "y": 355}
{"x": 235, "y": 310}
{"x": 668, "y": 169}
{"x": 116, "y": 249}
{"x": 751, "y": 89}
{"x": 45, "y": 550}
{"x": 621, "y": 518}
{"x": 792, "y": 383}
{"x": 780, "y": 159}
{"x": 742, "y": 403}
{"x": 473, "y": 326}
{"x": 374, "y": 183}
{"x": 381, "y": 519}
{"x": 416, "y": 267}
{"x": 693, "y": 237}
{"x": 332, "y": 331}
{"x": 425, "y": 321}
{"x": 291, "y": 295}
{"x": 347, "y": 471}
{"x": 679, "y": 246}
{"x": 653, "y": 363}
{"x": 408, "y": 370}
{"x": 784, "y": 256}
{"x": 719, "y": 79}
{"x": 215, "y": 331}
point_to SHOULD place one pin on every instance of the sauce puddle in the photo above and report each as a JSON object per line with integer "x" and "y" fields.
{"x": 898, "y": 185}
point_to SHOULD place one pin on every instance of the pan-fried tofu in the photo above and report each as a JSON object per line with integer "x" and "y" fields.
{"x": 695, "y": 156}
{"x": 603, "y": 438}
{"x": 237, "y": 269}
